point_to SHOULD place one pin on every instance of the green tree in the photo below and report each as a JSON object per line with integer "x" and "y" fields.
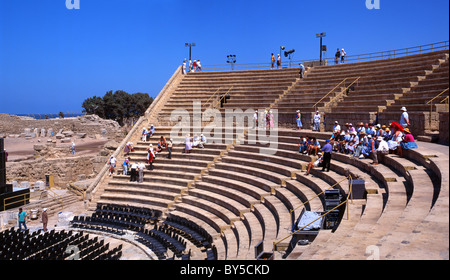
{"x": 118, "y": 105}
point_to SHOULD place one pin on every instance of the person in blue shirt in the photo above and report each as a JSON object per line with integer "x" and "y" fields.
{"x": 302, "y": 70}
{"x": 327, "y": 149}
{"x": 22, "y": 217}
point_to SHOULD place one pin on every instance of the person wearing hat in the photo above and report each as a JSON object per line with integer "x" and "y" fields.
{"x": 337, "y": 127}
{"x": 44, "y": 219}
{"x": 407, "y": 142}
{"x": 404, "y": 118}
{"x": 150, "y": 156}
{"x": 327, "y": 149}
{"x": 316, "y": 122}
{"x": 202, "y": 141}
{"x": 383, "y": 149}
{"x": 343, "y": 54}
{"x": 298, "y": 119}
{"x": 112, "y": 165}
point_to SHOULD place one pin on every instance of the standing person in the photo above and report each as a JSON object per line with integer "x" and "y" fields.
{"x": 169, "y": 148}
{"x": 150, "y": 156}
{"x": 272, "y": 59}
{"x": 270, "y": 119}
{"x": 112, "y": 165}
{"x": 141, "y": 167}
{"x": 22, "y": 217}
{"x": 279, "y": 62}
{"x": 327, "y": 149}
{"x": 404, "y": 118}
{"x": 190, "y": 65}
{"x": 125, "y": 165}
{"x": 133, "y": 173}
{"x": 302, "y": 70}
{"x": 316, "y": 119}
{"x": 183, "y": 69}
{"x": 188, "y": 144}
{"x": 73, "y": 148}
{"x": 44, "y": 219}
{"x": 199, "y": 66}
{"x": 337, "y": 56}
{"x": 195, "y": 65}
{"x": 255, "y": 119}
{"x": 298, "y": 119}
{"x": 343, "y": 54}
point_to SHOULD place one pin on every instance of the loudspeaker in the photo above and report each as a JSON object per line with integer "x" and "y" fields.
{"x": 359, "y": 189}
{"x": 324, "y": 48}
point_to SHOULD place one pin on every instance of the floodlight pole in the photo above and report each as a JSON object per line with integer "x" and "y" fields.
{"x": 189, "y": 45}
{"x": 321, "y": 35}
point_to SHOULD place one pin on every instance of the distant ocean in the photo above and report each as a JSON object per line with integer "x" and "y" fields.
{"x": 52, "y": 115}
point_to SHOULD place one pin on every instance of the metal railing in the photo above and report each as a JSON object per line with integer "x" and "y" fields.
{"x": 389, "y": 54}
{"x": 356, "y": 79}
{"x": 346, "y": 201}
{"x": 24, "y": 199}
{"x": 430, "y": 102}
{"x": 217, "y": 104}
{"x": 210, "y": 99}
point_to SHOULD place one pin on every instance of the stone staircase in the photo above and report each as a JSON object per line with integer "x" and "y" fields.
{"x": 241, "y": 191}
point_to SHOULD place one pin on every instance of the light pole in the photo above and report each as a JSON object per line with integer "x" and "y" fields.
{"x": 189, "y": 45}
{"x": 281, "y": 49}
{"x": 321, "y": 35}
{"x": 232, "y": 60}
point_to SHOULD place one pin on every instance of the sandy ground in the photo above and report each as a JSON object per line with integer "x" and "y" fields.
{"x": 20, "y": 148}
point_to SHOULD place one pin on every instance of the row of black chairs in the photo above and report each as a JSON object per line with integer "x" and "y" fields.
{"x": 190, "y": 230}
{"x": 54, "y": 245}
{"x": 141, "y": 212}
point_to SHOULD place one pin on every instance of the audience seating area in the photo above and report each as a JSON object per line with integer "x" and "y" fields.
{"x": 54, "y": 245}
{"x": 220, "y": 201}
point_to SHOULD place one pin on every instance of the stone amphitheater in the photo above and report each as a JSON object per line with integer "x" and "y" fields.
{"x": 240, "y": 192}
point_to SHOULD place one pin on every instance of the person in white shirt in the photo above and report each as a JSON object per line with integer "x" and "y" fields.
{"x": 383, "y": 149}
{"x": 141, "y": 167}
{"x": 133, "y": 173}
{"x": 343, "y": 54}
{"x": 199, "y": 66}
{"x": 316, "y": 121}
{"x": 112, "y": 165}
{"x": 336, "y": 127}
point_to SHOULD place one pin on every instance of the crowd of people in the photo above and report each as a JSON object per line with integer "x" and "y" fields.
{"x": 190, "y": 66}
{"x": 365, "y": 140}
{"x": 135, "y": 169}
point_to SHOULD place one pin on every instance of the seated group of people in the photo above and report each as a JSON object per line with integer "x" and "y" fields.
{"x": 194, "y": 142}
{"x": 368, "y": 140}
{"x": 364, "y": 141}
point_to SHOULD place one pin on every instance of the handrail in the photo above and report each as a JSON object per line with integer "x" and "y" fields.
{"x": 223, "y": 96}
{"x": 25, "y": 198}
{"x": 79, "y": 190}
{"x": 349, "y": 196}
{"x": 57, "y": 197}
{"x": 431, "y": 103}
{"x": 331, "y": 91}
{"x": 214, "y": 94}
{"x": 317, "y": 195}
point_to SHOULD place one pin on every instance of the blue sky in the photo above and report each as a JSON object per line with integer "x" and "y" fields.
{"x": 53, "y": 58}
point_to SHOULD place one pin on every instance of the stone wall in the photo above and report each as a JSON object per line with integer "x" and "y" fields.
{"x": 64, "y": 170}
{"x": 15, "y": 126}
